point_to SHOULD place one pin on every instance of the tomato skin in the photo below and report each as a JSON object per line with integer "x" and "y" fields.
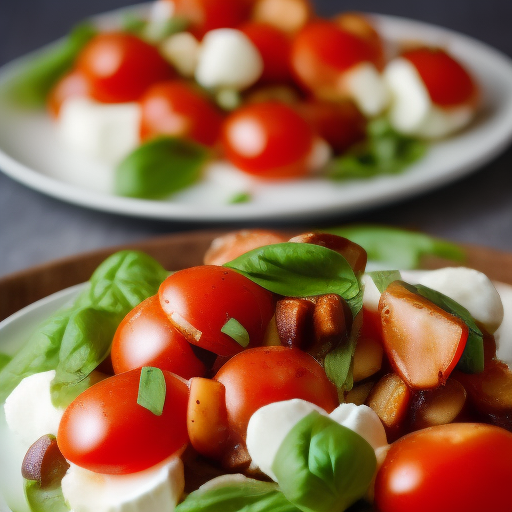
{"x": 460, "y": 466}
{"x": 263, "y": 375}
{"x": 447, "y": 81}
{"x": 104, "y": 430}
{"x": 177, "y": 109}
{"x": 269, "y": 140}
{"x": 120, "y": 67}
{"x": 72, "y": 85}
{"x": 208, "y": 296}
{"x": 145, "y": 337}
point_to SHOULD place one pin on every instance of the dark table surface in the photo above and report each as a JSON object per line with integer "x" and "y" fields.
{"x": 35, "y": 228}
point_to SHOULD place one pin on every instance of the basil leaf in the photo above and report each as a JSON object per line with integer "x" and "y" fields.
{"x": 241, "y": 197}
{"x": 159, "y": 168}
{"x": 298, "y": 270}
{"x": 152, "y": 390}
{"x": 322, "y": 466}
{"x": 234, "y": 329}
{"x": 48, "y": 499}
{"x": 385, "y": 151}
{"x": 384, "y": 278}
{"x": 4, "y": 359}
{"x": 31, "y": 87}
{"x": 245, "y": 496}
{"x": 400, "y": 248}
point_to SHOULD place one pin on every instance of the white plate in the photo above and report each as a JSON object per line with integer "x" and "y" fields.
{"x": 31, "y": 153}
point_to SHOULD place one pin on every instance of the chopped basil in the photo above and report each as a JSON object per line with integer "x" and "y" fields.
{"x": 322, "y": 466}
{"x": 152, "y": 390}
{"x": 234, "y": 329}
{"x": 242, "y": 197}
{"x": 48, "y": 499}
{"x": 159, "y": 168}
{"x": 384, "y": 278}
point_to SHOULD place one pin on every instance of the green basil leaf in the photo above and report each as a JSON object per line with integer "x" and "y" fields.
{"x": 31, "y": 87}
{"x": 384, "y": 278}
{"x": 152, "y": 390}
{"x": 298, "y": 270}
{"x": 48, "y": 499}
{"x": 159, "y": 168}
{"x": 156, "y": 31}
{"x": 397, "y": 247}
{"x": 234, "y": 329}
{"x": 322, "y": 466}
{"x": 245, "y": 496}
{"x": 242, "y": 197}
{"x": 4, "y": 359}
{"x": 133, "y": 24}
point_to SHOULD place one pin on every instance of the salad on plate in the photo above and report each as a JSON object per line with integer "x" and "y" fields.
{"x": 283, "y": 374}
{"x": 238, "y": 93}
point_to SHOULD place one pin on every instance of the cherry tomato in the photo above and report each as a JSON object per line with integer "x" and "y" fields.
{"x": 264, "y": 375}
{"x": 199, "y": 301}
{"x": 146, "y": 338}
{"x": 460, "y": 466}
{"x": 446, "y": 80}
{"x": 176, "y": 108}
{"x": 268, "y": 140}
{"x": 120, "y": 67}
{"x": 206, "y": 15}
{"x": 105, "y": 430}
{"x": 322, "y": 51}
{"x": 72, "y": 85}
{"x": 274, "y": 47}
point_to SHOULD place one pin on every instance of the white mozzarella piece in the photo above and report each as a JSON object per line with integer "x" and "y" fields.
{"x": 371, "y": 296}
{"x": 367, "y": 88}
{"x": 161, "y": 11}
{"x": 182, "y": 51}
{"x": 158, "y": 488}
{"x": 441, "y": 122}
{"x": 503, "y": 335}
{"x": 228, "y": 59}
{"x": 29, "y": 411}
{"x": 320, "y": 155}
{"x": 106, "y": 132}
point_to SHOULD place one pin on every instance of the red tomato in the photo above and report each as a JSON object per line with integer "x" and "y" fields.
{"x": 146, "y": 338}
{"x": 120, "y": 67}
{"x": 455, "y": 467}
{"x": 206, "y": 15}
{"x": 106, "y": 431}
{"x": 274, "y": 47}
{"x": 446, "y": 80}
{"x": 264, "y": 375}
{"x": 207, "y": 297}
{"x": 322, "y": 51}
{"x": 72, "y": 85}
{"x": 268, "y": 140}
{"x": 176, "y": 108}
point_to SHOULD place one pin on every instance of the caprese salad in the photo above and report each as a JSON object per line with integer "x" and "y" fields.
{"x": 266, "y": 87}
{"x": 278, "y": 376}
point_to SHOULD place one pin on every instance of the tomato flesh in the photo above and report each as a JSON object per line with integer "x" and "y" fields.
{"x": 72, "y": 85}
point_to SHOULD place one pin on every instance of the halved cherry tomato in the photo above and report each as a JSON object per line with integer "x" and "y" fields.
{"x": 74, "y": 84}
{"x": 199, "y": 301}
{"x": 268, "y": 140}
{"x": 120, "y": 67}
{"x": 146, "y": 338}
{"x": 447, "y": 81}
{"x": 461, "y": 466}
{"x": 263, "y": 375}
{"x": 105, "y": 430}
{"x": 178, "y": 109}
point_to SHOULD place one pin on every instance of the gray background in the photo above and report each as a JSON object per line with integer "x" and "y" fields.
{"x": 35, "y": 228}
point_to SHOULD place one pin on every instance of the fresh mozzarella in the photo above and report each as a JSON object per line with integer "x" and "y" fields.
{"x": 320, "y": 155}
{"x": 158, "y": 488}
{"x": 29, "y": 410}
{"x": 371, "y": 295}
{"x": 504, "y": 334}
{"x": 412, "y": 111}
{"x": 367, "y": 88}
{"x": 106, "y": 132}
{"x": 228, "y": 59}
{"x": 161, "y": 11}
{"x": 182, "y": 51}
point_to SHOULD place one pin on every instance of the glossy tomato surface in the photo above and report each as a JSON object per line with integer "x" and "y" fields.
{"x": 145, "y": 337}
{"x": 206, "y": 297}
{"x": 178, "y": 109}
{"x": 268, "y": 140}
{"x": 73, "y": 85}
{"x": 105, "y": 430}
{"x": 457, "y": 467}
{"x": 263, "y": 375}
{"x": 120, "y": 67}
